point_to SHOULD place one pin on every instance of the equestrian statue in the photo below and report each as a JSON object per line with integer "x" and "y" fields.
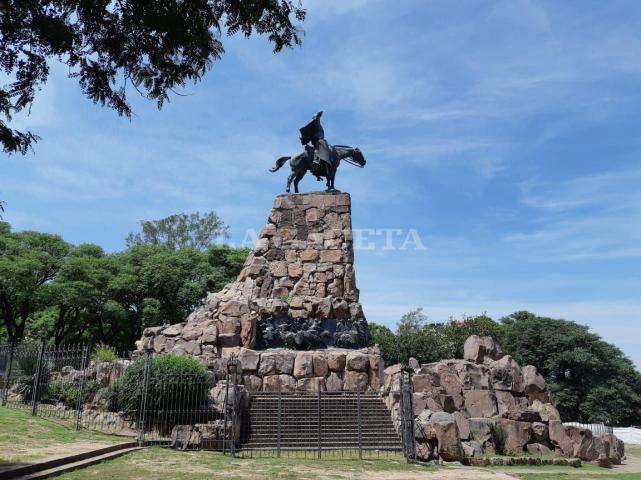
{"x": 319, "y": 157}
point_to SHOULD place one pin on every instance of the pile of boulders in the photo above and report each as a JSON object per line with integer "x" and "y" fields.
{"x": 487, "y": 403}
{"x": 297, "y": 288}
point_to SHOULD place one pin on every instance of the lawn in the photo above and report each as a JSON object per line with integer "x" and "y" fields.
{"x": 162, "y": 464}
{"x": 25, "y": 438}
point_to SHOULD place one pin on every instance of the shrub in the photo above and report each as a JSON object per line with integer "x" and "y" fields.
{"x": 26, "y": 371}
{"x": 499, "y": 438}
{"x": 175, "y": 383}
{"x": 104, "y": 354}
{"x": 68, "y": 393}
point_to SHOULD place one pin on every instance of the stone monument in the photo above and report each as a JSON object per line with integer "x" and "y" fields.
{"x": 297, "y": 288}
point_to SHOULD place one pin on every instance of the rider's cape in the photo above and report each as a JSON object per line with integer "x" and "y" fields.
{"x": 308, "y": 132}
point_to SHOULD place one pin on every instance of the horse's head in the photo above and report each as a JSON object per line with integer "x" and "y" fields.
{"x": 358, "y": 157}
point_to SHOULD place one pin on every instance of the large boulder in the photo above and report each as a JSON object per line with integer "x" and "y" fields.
{"x": 304, "y": 365}
{"x": 534, "y": 384}
{"x": 271, "y": 383}
{"x": 355, "y": 381}
{"x": 518, "y": 434}
{"x": 481, "y": 429}
{"x": 357, "y": 361}
{"x": 506, "y": 375}
{"x": 480, "y": 403}
{"x": 336, "y": 360}
{"x": 560, "y": 438}
{"x": 476, "y": 349}
{"x": 440, "y": 426}
{"x": 274, "y": 362}
{"x": 547, "y": 411}
{"x": 249, "y": 359}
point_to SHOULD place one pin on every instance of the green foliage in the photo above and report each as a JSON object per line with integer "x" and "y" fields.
{"x": 27, "y": 366}
{"x": 180, "y": 231}
{"x": 386, "y": 340}
{"x": 429, "y": 342}
{"x": 29, "y": 261}
{"x": 152, "y": 46}
{"x": 591, "y": 380}
{"x": 412, "y": 322}
{"x": 457, "y": 331}
{"x": 499, "y": 437}
{"x": 174, "y": 382}
{"x": 68, "y": 393}
{"x": 50, "y": 289}
{"x": 104, "y": 354}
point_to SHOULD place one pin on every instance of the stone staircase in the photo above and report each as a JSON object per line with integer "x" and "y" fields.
{"x": 300, "y": 424}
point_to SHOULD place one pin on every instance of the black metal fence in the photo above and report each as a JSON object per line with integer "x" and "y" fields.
{"x": 61, "y": 383}
{"x": 192, "y": 412}
{"x": 318, "y": 424}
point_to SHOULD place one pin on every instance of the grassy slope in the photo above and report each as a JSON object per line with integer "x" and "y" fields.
{"x": 160, "y": 463}
{"x": 23, "y": 437}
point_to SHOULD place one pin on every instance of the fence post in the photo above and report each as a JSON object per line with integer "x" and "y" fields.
{"x": 233, "y": 366}
{"x": 225, "y": 411}
{"x": 320, "y": 422}
{"x": 279, "y": 418}
{"x": 5, "y": 394}
{"x": 83, "y": 384}
{"x": 360, "y": 437}
{"x": 407, "y": 414}
{"x": 143, "y": 398}
{"x": 36, "y": 380}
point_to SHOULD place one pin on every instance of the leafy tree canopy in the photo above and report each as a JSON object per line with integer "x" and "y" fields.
{"x": 28, "y": 262}
{"x": 50, "y": 289}
{"x": 591, "y": 380}
{"x": 180, "y": 231}
{"x": 153, "y": 46}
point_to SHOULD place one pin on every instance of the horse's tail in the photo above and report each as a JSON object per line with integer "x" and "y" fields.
{"x": 279, "y": 163}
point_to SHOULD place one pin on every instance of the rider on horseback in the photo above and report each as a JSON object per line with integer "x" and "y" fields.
{"x": 313, "y": 132}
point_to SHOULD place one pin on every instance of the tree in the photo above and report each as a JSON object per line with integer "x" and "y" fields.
{"x": 2, "y": 204}
{"x": 457, "y": 331}
{"x": 591, "y": 380}
{"x": 156, "y": 285}
{"x": 411, "y": 322}
{"x": 180, "y": 231}
{"x": 386, "y": 340}
{"x": 153, "y": 46}
{"x": 77, "y": 296}
{"x": 28, "y": 262}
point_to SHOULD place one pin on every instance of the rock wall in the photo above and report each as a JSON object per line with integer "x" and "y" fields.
{"x": 331, "y": 370}
{"x": 463, "y": 407}
{"x": 297, "y": 288}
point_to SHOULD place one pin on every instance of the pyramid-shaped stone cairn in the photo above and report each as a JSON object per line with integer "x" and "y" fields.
{"x": 297, "y": 289}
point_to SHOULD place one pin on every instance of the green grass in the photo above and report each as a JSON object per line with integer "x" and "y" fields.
{"x": 160, "y": 464}
{"x": 24, "y": 437}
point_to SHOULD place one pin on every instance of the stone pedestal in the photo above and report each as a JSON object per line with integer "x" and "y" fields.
{"x": 297, "y": 289}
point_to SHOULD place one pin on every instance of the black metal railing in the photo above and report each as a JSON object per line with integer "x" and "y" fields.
{"x": 62, "y": 383}
{"x": 318, "y": 424}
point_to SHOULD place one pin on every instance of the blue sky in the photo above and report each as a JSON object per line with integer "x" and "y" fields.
{"x": 507, "y": 134}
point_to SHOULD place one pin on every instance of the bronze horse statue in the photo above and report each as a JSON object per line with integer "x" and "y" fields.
{"x": 303, "y": 162}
